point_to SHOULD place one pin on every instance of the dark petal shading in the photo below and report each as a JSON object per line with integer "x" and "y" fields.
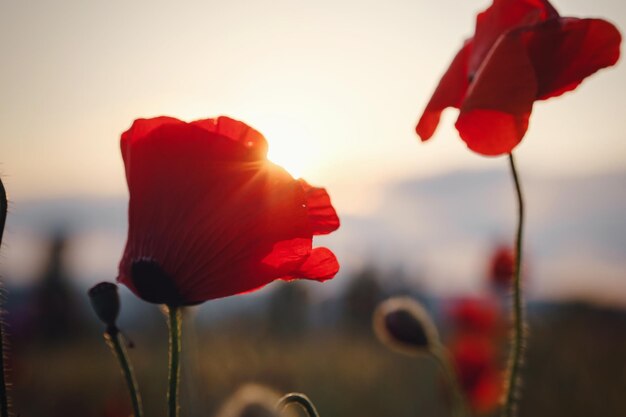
{"x": 449, "y": 93}
{"x": 501, "y": 17}
{"x": 153, "y": 284}
{"x": 566, "y": 51}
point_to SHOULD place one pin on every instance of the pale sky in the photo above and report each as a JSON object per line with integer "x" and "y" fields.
{"x": 335, "y": 86}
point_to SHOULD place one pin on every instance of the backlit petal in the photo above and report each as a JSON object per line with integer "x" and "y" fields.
{"x": 495, "y": 113}
{"x": 210, "y": 213}
{"x": 320, "y": 266}
{"x": 322, "y": 214}
{"x": 449, "y": 93}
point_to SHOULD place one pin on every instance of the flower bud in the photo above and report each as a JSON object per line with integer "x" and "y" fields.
{"x": 105, "y": 301}
{"x": 403, "y": 325}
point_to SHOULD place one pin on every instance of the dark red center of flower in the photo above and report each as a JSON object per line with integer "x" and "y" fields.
{"x": 154, "y": 285}
{"x": 405, "y": 328}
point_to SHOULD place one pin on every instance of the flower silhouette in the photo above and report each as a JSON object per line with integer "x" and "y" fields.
{"x": 209, "y": 216}
{"x": 521, "y": 51}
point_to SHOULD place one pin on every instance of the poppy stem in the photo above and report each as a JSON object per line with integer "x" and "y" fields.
{"x": 4, "y": 398}
{"x": 519, "y": 325}
{"x": 112, "y": 337}
{"x": 300, "y": 399}
{"x": 175, "y": 320}
{"x": 441, "y": 356}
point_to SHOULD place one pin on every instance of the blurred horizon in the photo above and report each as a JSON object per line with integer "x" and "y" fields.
{"x": 437, "y": 233}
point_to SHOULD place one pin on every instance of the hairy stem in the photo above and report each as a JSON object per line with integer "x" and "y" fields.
{"x": 112, "y": 337}
{"x": 175, "y": 327}
{"x": 518, "y": 338}
{"x": 459, "y": 405}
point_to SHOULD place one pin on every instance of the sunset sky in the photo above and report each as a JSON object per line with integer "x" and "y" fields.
{"x": 336, "y": 87}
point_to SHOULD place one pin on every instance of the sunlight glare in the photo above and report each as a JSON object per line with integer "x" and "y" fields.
{"x": 289, "y": 146}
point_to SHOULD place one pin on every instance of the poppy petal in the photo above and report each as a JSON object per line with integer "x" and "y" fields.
{"x": 320, "y": 266}
{"x": 237, "y": 131}
{"x": 501, "y": 17}
{"x": 322, "y": 214}
{"x": 139, "y": 129}
{"x": 565, "y": 51}
{"x": 449, "y": 93}
{"x": 494, "y": 115}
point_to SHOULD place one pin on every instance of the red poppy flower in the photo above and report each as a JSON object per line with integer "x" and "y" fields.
{"x": 522, "y": 51}
{"x": 502, "y": 267}
{"x": 209, "y": 216}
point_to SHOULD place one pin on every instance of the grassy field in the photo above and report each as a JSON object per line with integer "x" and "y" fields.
{"x": 576, "y": 367}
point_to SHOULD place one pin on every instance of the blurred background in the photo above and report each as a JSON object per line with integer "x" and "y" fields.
{"x": 337, "y": 89}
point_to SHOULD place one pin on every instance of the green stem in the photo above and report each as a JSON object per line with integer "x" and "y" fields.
{"x": 4, "y": 398}
{"x": 518, "y": 339}
{"x": 300, "y": 399}
{"x": 459, "y": 405}
{"x": 175, "y": 326}
{"x": 112, "y": 337}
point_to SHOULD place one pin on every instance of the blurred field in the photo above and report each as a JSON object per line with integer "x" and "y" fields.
{"x": 576, "y": 364}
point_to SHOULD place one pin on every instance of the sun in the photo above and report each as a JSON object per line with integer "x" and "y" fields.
{"x": 290, "y": 147}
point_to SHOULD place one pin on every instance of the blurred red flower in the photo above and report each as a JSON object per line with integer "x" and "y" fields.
{"x": 209, "y": 216}
{"x": 486, "y": 393}
{"x": 502, "y": 267}
{"x": 522, "y": 51}
{"x": 475, "y": 359}
{"x": 475, "y": 316}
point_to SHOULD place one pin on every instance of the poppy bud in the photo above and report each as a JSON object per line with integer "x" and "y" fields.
{"x": 403, "y": 325}
{"x": 105, "y": 301}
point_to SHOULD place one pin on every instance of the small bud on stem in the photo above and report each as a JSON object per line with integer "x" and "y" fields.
{"x": 403, "y": 325}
